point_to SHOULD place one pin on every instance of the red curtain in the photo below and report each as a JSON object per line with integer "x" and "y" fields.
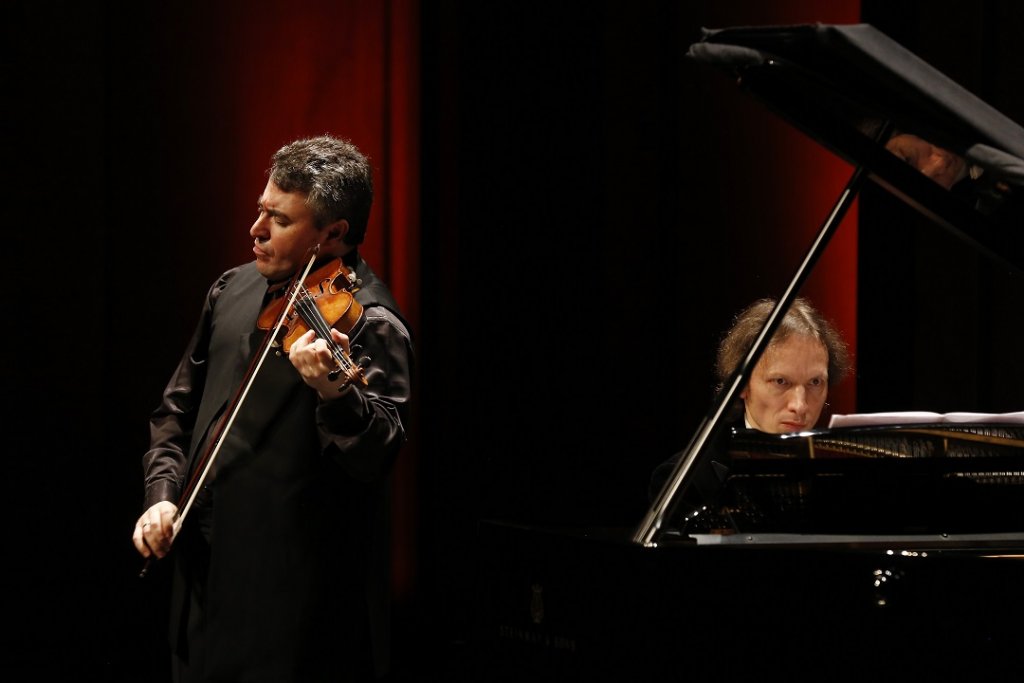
{"x": 792, "y": 182}
{"x": 280, "y": 71}
{"x": 256, "y": 77}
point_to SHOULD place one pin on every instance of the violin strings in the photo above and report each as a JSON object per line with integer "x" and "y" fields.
{"x": 311, "y": 314}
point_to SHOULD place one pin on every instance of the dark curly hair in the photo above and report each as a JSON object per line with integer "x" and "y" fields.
{"x": 335, "y": 176}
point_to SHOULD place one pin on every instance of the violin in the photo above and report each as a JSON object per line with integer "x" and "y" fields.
{"x": 318, "y": 301}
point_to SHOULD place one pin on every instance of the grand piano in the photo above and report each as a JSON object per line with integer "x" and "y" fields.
{"x": 871, "y": 550}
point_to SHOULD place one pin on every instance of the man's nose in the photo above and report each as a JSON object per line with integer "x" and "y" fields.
{"x": 259, "y": 227}
{"x": 798, "y": 399}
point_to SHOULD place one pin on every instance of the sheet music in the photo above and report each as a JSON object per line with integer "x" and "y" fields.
{"x": 922, "y": 417}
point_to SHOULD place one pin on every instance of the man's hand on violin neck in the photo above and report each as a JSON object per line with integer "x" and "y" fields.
{"x": 316, "y": 360}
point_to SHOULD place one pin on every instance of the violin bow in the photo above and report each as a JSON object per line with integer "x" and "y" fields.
{"x": 191, "y": 491}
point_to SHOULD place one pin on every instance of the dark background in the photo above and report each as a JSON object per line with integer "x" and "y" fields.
{"x": 594, "y": 209}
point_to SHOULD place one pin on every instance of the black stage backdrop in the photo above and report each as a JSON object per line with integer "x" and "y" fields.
{"x": 595, "y": 208}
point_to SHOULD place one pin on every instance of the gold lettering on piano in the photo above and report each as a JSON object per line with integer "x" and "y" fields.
{"x": 536, "y": 637}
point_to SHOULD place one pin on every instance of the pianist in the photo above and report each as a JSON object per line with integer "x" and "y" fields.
{"x": 786, "y": 391}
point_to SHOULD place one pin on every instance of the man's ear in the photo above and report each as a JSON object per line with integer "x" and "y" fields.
{"x": 336, "y": 231}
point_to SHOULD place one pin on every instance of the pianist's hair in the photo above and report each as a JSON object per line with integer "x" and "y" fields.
{"x": 801, "y": 318}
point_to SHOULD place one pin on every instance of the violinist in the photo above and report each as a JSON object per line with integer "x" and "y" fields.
{"x": 266, "y": 481}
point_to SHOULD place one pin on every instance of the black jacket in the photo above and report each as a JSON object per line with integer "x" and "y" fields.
{"x": 289, "y": 582}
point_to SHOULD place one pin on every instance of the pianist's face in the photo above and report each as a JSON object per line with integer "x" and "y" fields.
{"x": 788, "y": 386}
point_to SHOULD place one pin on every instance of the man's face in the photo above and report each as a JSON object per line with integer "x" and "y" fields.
{"x": 283, "y": 233}
{"x": 788, "y": 386}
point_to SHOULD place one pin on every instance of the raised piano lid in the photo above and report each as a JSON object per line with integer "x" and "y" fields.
{"x": 849, "y": 87}
{"x": 840, "y": 83}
